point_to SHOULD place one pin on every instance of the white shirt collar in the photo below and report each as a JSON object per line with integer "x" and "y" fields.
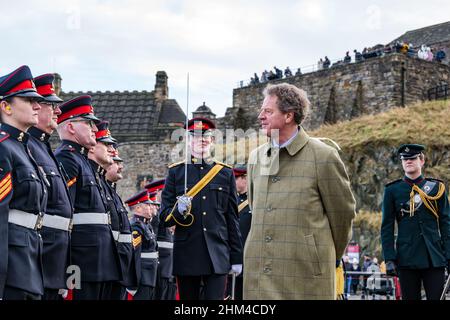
{"x": 286, "y": 143}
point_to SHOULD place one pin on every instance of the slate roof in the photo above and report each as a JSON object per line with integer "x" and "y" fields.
{"x": 428, "y": 35}
{"x": 132, "y": 113}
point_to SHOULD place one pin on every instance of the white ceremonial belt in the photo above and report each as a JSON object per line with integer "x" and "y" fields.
{"x": 165, "y": 244}
{"x": 25, "y": 219}
{"x": 149, "y": 255}
{"x": 116, "y": 235}
{"x": 90, "y": 218}
{"x": 125, "y": 238}
{"x": 57, "y": 222}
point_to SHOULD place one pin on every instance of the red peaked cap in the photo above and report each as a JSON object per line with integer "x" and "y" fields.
{"x": 19, "y": 83}
{"x": 200, "y": 124}
{"x": 238, "y": 172}
{"x": 44, "y": 86}
{"x": 155, "y": 185}
{"x": 140, "y": 197}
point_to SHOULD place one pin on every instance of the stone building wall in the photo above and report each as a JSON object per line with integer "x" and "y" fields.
{"x": 143, "y": 161}
{"x": 347, "y": 91}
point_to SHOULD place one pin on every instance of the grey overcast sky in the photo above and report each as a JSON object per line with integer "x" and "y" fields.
{"x": 101, "y": 45}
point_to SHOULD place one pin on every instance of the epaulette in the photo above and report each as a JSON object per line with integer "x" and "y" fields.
{"x": 175, "y": 164}
{"x": 392, "y": 182}
{"x": 3, "y": 136}
{"x": 68, "y": 148}
{"x": 224, "y": 164}
{"x": 439, "y": 180}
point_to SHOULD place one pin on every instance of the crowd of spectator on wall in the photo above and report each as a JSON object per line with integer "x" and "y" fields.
{"x": 423, "y": 52}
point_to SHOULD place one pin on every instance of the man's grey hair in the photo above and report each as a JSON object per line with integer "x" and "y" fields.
{"x": 290, "y": 98}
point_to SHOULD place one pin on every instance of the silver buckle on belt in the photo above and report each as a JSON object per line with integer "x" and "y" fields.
{"x": 39, "y": 221}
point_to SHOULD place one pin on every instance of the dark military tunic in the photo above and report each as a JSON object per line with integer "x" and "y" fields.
{"x": 213, "y": 242}
{"x": 124, "y": 247}
{"x": 422, "y": 241}
{"x": 55, "y": 257}
{"x": 146, "y": 252}
{"x": 166, "y": 282}
{"x": 21, "y": 188}
{"x": 92, "y": 245}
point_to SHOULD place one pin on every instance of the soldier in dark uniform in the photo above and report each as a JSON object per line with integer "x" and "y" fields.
{"x": 165, "y": 284}
{"x": 420, "y": 207}
{"x": 58, "y": 213}
{"x": 245, "y": 221}
{"x": 145, "y": 245}
{"x": 207, "y": 241}
{"x": 93, "y": 248}
{"x": 23, "y": 195}
{"x": 124, "y": 242}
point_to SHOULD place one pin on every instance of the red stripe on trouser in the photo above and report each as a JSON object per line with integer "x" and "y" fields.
{"x": 177, "y": 294}
{"x": 69, "y": 295}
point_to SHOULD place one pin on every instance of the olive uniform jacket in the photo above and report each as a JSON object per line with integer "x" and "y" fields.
{"x": 302, "y": 211}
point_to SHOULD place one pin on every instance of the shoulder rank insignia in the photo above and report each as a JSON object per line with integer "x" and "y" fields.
{"x": 137, "y": 239}
{"x": 71, "y": 182}
{"x": 392, "y": 182}
{"x": 439, "y": 180}
{"x": 175, "y": 164}
{"x": 224, "y": 164}
{"x": 5, "y": 186}
{"x": 3, "y": 136}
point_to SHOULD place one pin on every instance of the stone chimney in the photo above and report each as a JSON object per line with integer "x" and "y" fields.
{"x": 161, "y": 88}
{"x": 57, "y": 84}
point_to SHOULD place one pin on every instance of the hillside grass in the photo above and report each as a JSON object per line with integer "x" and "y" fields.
{"x": 426, "y": 123}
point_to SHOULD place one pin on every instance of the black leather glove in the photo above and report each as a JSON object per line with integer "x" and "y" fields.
{"x": 391, "y": 268}
{"x": 448, "y": 266}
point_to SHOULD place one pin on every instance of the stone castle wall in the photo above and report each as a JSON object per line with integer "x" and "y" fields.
{"x": 347, "y": 91}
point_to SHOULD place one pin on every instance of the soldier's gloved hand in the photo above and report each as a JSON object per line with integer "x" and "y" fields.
{"x": 63, "y": 293}
{"x": 391, "y": 268}
{"x": 236, "y": 268}
{"x": 184, "y": 203}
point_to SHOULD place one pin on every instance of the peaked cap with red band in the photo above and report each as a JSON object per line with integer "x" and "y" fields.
{"x": 200, "y": 124}
{"x": 155, "y": 186}
{"x": 79, "y": 107}
{"x": 239, "y": 171}
{"x": 140, "y": 197}
{"x": 19, "y": 83}
{"x": 44, "y": 86}
{"x": 103, "y": 134}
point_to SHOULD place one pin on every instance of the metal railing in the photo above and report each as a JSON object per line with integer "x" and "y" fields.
{"x": 438, "y": 92}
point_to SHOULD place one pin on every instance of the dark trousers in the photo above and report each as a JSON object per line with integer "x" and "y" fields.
{"x": 214, "y": 286}
{"x": 11, "y": 293}
{"x": 95, "y": 291}
{"x": 165, "y": 289}
{"x": 411, "y": 283}
{"x": 144, "y": 293}
{"x": 238, "y": 287}
{"x": 52, "y": 294}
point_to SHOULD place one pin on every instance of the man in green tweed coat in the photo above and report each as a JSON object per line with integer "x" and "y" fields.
{"x": 302, "y": 206}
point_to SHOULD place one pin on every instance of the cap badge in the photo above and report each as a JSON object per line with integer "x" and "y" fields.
{"x": 407, "y": 149}
{"x": 198, "y": 125}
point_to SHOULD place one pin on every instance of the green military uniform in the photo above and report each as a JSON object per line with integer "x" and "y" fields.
{"x": 422, "y": 247}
